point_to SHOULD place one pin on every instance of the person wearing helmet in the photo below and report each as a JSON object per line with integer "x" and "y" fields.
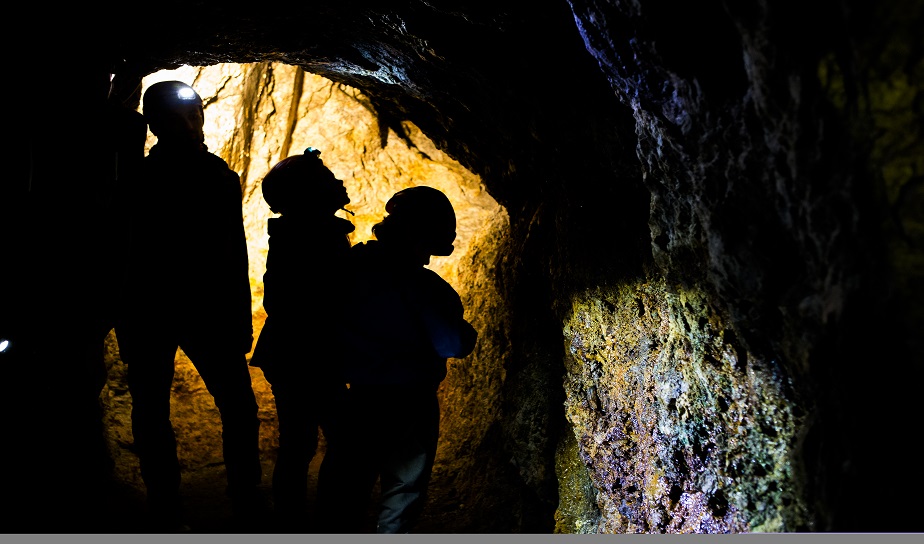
{"x": 410, "y": 322}
{"x": 305, "y": 280}
{"x": 186, "y": 284}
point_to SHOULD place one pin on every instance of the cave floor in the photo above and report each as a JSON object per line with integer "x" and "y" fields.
{"x": 208, "y": 510}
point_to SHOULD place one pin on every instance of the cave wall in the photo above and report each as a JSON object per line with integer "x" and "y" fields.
{"x": 712, "y": 275}
{"x": 761, "y": 136}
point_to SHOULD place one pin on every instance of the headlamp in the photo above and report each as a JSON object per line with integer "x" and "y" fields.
{"x": 186, "y": 93}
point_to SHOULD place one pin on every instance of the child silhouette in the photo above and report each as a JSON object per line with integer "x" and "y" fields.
{"x": 304, "y": 281}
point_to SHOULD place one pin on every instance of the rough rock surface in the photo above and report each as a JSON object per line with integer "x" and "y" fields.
{"x": 701, "y": 296}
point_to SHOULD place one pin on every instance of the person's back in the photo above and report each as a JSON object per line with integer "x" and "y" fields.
{"x": 304, "y": 284}
{"x": 397, "y": 296}
{"x": 186, "y": 285}
{"x": 188, "y": 242}
{"x": 308, "y": 245}
{"x": 410, "y": 321}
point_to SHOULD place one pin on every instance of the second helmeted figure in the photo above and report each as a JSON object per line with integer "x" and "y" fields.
{"x": 304, "y": 284}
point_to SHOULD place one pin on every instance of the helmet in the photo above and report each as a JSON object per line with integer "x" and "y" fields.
{"x": 303, "y": 181}
{"x": 168, "y": 95}
{"x": 420, "y": 213}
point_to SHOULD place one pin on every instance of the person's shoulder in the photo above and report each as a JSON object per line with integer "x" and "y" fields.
{"x": 437, "y": 283}
{"x": 431, "y": 275}
{"x": 214, "y": 160}
{"x": 275, "y": 226}
{"x": 366, "y": 256}
{"x": 363, "y": 248}
{"x": 218, "y": 166}
{"x": 343, "y": 226}
{"x": 126, "y": 116}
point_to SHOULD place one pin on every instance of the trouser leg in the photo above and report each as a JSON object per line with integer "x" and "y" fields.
{"x": 298, "y": 440}
{"x": 150, "y": 377}
{"x": 348, "y": 471}
{"x": 408, "y": 452}
{"x": 67, "y": 467}
{"x": 227, "y": 378}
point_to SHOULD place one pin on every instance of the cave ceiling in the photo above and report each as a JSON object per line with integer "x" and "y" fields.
{"x": 490, "y": 83}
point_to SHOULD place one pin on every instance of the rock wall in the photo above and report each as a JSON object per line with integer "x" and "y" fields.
{"x": 716, "y": 394}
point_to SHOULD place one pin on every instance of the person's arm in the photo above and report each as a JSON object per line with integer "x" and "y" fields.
{"x": 236, "y": 248}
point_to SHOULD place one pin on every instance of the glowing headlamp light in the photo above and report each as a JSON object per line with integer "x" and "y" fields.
{"x": 185, "y": 93}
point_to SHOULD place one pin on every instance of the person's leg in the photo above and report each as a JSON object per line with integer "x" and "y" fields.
{"x": 68, "y": 463}
{"x": 227, "y": 378}
{"x": 149, "y": 356}
{"x": 298, "y": 442}
{"x": 349, "y": 469}
{"x": 409, "y": 452}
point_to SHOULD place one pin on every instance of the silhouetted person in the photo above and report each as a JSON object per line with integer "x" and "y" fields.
{"x": 119, "y": 154}
{"x": 123, "y": 144}
{"x": 186, "y": 285}
{"x": 54, "y": 310}
{"x": 121, "y": 140}
{"x": 303, "y": 286}
{"x": 408, "y": 322}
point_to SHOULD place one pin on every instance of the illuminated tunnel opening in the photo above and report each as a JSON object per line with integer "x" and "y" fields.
{"x": 258, "y": 114}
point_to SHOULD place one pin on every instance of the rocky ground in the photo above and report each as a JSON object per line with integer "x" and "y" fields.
{"x": 208, "y": 510}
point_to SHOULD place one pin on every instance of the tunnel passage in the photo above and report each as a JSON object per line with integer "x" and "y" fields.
{"x": 257, "y": 114}
{"x": 813, "y": 145}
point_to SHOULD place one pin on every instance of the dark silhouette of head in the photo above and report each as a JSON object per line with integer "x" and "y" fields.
{"x": 302, "y": 183}
{"x": 174, "y": 113}
{"x": 419, "y": 216}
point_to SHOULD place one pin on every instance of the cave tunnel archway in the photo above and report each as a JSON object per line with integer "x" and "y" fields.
{"x": 257, "y": 114}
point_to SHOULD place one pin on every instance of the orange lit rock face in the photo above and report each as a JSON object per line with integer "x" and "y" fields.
{"x": 253, "y": 120}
